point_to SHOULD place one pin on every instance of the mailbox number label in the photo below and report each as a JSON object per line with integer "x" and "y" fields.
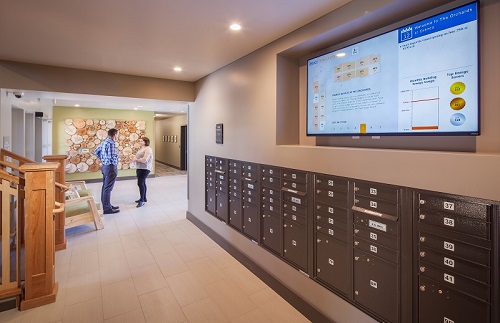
{"x": 373, "y": 284}
{"x": 449, "y": 278}
{"x": 373, "y": 236}
{"x": 294, "y": 176}
{"x": 449, "y": 206}
{"x": 249, "y": 219}
{"x": 271, "y": 208}
{"x": 373, "y": 249}
{"x": 271, "y": 179}
{"x": 330, "y": 210}
{"x": 294, "y": 217}
{"x": 377, "y": 225}
{"x": 447, "y": 320}
{"x": 294, "y": 185}
{"x": 294, "y": 242}
{"x": 294, "y": 208}
{"x": 373, "y": 191}
{"x": 449, "y": 262}
{"x": 271, "y": 200}
{"x": 331, "y": 232}
{"x": 271, "y": 192}
{"x": 330, "y": 182}
{"x": 250, "y": 186}
{"x": 296, "y": 200}
{"x": 330, "y": 220}
{"x": 449, "y": 246}
{"x": 373, "y": 204}
{"x": 449, "y": 222}
{"x": 330, "y": 193}
{"x": 270, "y": 230}
{"x": 331, "y": 262}
{"x": 271, "y": 171}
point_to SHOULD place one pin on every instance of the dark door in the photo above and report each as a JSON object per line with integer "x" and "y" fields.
{"x": 184, "y": 149}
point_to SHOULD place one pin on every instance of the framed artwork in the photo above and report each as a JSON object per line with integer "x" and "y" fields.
{"x": 83, "y": 136}
{"x": 175, "y": 138}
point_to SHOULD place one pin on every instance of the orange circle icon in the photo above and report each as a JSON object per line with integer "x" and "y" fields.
{"x": 457, "y": 104}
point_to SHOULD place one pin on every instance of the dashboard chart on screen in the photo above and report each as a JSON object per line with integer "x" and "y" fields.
{"x": 418, "y": 79}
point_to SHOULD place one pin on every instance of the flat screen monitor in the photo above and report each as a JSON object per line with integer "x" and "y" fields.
{"x": 421, "y": 78}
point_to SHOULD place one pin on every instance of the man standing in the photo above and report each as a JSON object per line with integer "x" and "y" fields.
{"x": 106, "y": 152}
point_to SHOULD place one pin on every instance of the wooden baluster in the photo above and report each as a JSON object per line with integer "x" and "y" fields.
{"x": 40, "y": 287}
{"x": 59, "y": 194}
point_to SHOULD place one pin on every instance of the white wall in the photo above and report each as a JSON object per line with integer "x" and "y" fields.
{"x": 169, "y": 152}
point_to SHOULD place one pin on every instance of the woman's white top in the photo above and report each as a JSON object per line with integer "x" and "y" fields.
{"x": 144, "y": 158}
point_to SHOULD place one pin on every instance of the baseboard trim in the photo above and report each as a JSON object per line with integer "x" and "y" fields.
{"x": 296, "y": 301}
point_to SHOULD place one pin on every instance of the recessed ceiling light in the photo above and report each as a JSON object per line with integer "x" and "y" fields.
{"x": 235, "y": 27}
{"x": 177, "y": 69}
{"x": 340, "y": 54}
{"x": 136, "y": 108}
{"x": 77, "y": 105}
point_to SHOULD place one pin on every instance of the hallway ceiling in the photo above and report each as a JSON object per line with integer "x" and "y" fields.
{"x": 148, "y": 38}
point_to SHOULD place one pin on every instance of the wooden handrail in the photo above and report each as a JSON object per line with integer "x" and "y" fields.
{"x": 62, "y": 186}
{"x": 9, "y": 177}
{"x": 11, "y": 165}
{"x": 8, "y": 153}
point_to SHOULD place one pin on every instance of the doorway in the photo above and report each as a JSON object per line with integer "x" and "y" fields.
{"x": 184, "y": 149}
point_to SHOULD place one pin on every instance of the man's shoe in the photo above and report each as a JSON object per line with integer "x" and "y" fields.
{"x": 111, "y": 211}
{"x": 140, "y": 204}
{"x": 115, "y": 207}
{"x": 137, "y": 201}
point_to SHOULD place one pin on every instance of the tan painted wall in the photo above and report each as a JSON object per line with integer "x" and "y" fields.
{"x": 59, "y": 141}
{"x": 169, "y": 152}
{"x": 243, "y": 96}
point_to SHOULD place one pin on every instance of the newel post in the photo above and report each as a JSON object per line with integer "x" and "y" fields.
{"x": 60, "y": 177}
{"x": 40, "y": 287}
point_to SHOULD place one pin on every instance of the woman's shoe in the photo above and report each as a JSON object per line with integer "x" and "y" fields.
{"x": 145, "y": 200}
{"x": 140, "y": 204}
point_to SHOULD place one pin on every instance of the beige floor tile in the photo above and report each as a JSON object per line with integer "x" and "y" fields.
{"x": 168, "y": 227}
{"x": 125, "y": 230}
{"x": 84, "y": 312}
{"x": 176, "y": 236}
{"x": 159, "y": 245}
{"x": 161, "y": 306}
{"x": 83, "y": 245}
{"x": 203, "y": 241}
{"x": 135, "y": 316}
{"x": 109, "y": 235}
{"x": 186, "y": 288}
{"x": 139, "y": 257}
{"x": 278, "y": 309}
{"x": 230, "y": 298}
{"x": 83, "y": 287}
{"x": 244, "y": 279}
{"x": 263, "y": 296}
{"x": 119, "y": 298}
{"x": 170, "y": 264}
{"x": 204, "y": 311}
{"x": 257, "y": 315}
{"x": 221, "y": 258}
{"x": 133, "y": 241}
{"x": 114, "y": 271}
{"x": 150, "y": 233}
{"x": 111, "y": 251}
{"x": 189, "y": 251}
{"x": 148, "y": 278}
{"x": 205, "y": 271}
{"x": 83, "y": 263}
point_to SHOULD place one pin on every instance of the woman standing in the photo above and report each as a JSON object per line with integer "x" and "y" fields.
{"x": 144, "y": 162}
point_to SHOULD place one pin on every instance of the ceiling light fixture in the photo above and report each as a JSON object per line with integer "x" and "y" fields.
{"x": 136, "y": 108}
{"x": 340, "y": 54}
{"x": 235, "y": 27}
{"x": 177, "y": 69}
{"x": 77, "y": 105}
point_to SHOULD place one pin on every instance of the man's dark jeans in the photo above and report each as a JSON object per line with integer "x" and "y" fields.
{"x": 109, "y": 173}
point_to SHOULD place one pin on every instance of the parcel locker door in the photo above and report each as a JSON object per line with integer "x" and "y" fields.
{"x": 376, "y": 285}
{"x": 222, "y": 207}
{"x": 235, "y": 214}
{"x": 251, "y": 219}
{"x": 295, "y": 243}
{"x": 332, "y": 265}
{"x": 210, "y": 201}
{"x": 271, "y": 232}
{"x": 438, "y": 303}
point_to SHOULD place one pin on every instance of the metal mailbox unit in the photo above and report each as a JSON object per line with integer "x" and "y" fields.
{"x": 221, "y": 186}
{"x": 272, "y": 233}
{"x": 457, "y": 251}
{"x": 295, "y": 219}
{"x": 251, "y": 201}
{"x": 376, "y": 248}
{"x": 332, "y": 248}
{"x": 210, "y": 191}
{"x": 235, "y": 206}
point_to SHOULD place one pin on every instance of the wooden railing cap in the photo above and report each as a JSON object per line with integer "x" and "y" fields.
{"x": 38, "y": 167}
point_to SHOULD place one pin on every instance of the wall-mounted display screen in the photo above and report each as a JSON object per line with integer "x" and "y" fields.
{"x": 419, "y": 79}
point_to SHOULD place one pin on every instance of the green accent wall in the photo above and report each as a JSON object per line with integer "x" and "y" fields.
{"x": 59, "y": 136}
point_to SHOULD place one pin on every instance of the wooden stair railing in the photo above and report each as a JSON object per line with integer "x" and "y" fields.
{"x": 14, "y": 161}
{"x": 40, "y": 287}
{"x": 11, "y": 195}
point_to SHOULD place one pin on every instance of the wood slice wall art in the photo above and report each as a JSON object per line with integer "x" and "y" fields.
{"x": 84, "y": 135}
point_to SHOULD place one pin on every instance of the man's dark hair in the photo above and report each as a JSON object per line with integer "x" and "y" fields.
{"x": 112, "y": 132}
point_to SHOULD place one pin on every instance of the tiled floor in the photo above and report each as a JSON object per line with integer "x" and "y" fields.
{"x": 150, "y": 264}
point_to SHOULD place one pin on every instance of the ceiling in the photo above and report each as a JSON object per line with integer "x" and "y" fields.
{"x": 145, "y": 38}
